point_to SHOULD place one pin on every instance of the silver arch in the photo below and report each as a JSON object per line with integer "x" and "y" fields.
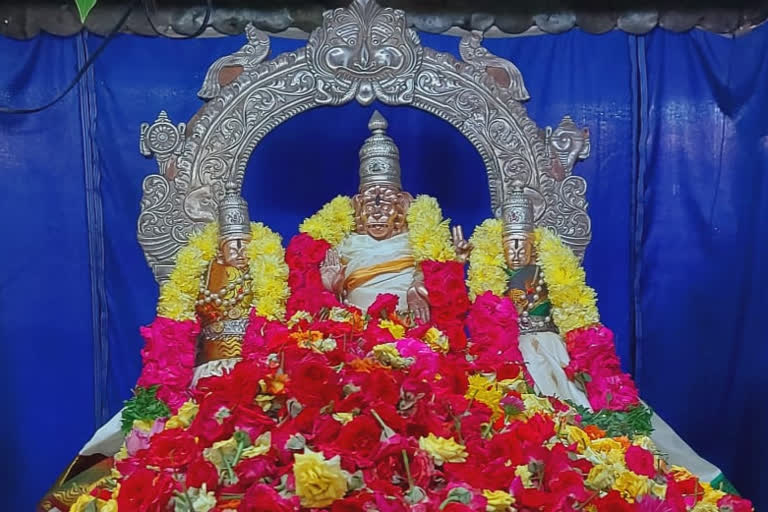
{"x": 363, "y": 52}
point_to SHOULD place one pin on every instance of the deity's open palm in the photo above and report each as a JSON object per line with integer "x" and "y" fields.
{"x": 332, "y": 271}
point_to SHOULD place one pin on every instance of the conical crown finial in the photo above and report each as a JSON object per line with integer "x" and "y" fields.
{"x": 379, "y": 156}
{"x": 377, "y": 123}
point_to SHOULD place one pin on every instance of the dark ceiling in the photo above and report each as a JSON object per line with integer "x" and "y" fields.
{"x": 25, "y": 19}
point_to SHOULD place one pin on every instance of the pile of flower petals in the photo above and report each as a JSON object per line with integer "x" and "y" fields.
{"x": 350, "y": 412}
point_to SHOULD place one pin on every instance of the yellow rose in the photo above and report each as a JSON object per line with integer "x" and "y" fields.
{"x": 221, "y": 450}
{"x": 524, "y": 472}
{"x": 184, "y": 417}
{"x": 631, "y": 485}
{"x": 575, "y": 435}
{"x": 344, "y": 417}
{"x": 396, "y": 330}
{"x": 259, "y": 447}
{"x": 436, "y": 340}
{"x": 601, "y": 477}
{"x": 319, "y": 482}
{"x": 442, "y": 449}
{"x": 498, "y": 501}
{"x": 386, "y": 353}
{"x": 534, "y": 404}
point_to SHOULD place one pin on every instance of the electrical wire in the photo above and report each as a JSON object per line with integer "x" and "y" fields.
{"x": 92, "y": 58}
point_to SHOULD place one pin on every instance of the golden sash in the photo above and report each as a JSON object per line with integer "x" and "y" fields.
{"x": 362, "y": 275}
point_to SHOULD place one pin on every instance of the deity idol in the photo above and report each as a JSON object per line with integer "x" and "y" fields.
{"x": 227, "y": 275}
{"x": 566, "y": 352}
{"x": 383, "y": 241}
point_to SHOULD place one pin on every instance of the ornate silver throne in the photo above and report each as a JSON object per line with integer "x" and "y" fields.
{"x": 364, "y": 53}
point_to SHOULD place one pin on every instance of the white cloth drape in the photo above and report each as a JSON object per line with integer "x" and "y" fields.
{"x": 360, "y": 251}
{"x": 545, "y": 356}
{"x": 109, "y": 438}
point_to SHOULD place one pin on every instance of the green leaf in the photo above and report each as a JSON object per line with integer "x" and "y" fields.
{"x": 84, "y": 7}
{"x": 143, "y": 406}
{"x": 632, "y": 422}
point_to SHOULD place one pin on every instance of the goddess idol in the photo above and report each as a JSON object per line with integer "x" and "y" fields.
{"x": 229, "y": 277}
{"x": 381, "y": 241}
{"x": 565, "y": 350}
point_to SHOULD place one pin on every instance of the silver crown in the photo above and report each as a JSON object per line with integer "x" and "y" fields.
{"x": 233, "y": 214}
{"x": 379, "y": 156}
{"x": 517, "y": 211}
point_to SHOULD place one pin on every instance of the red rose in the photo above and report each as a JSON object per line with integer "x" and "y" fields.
{"x": 200, "y": 472}
{"x": 213, "y": 422}
{"x": 172, "y": 448}
{"x": 252, "y": 470}
{"x": 736, "y": 503}
{"x": 359, "y": 439}
{"x": 384, "y": 305}
{"x": 448, "y": 298}
{"x": 145, "y": 491}
{"x": 314, "y": 382}
{"x": 262, "y": 498}
{"x": 613, "y": 502}
{"x": 304, "y": 250}
{"x": 640, "y": 461}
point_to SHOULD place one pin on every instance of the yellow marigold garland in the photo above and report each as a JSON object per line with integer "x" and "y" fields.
{"x": 269, "y": 272}
{"x": 428, "y": 232}
{"x": 486, "y": 265}
{"x": 178, "y": 295}
{"x": 334, "y": 221}
{"x": 266, "y": 258}
{"x": 574, "y": 304}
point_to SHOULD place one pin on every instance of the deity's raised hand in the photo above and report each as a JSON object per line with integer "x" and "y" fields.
{"x": 418, "y": 303}
{"x": 332, "y": 272}
{"x": 462, "y": 247}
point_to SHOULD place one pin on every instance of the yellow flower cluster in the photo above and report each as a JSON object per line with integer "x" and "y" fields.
{"x": 443, "y": 449}
{"x": 269, "y": 272}
{"x": 428, "y": 233}
{"x": 486, "y": 390}
{"x": 486, "y": 266}
{"x": 178, "y": 295}
{"x": 395, "y": 329}
{"x": 319, "y": 482}
{"x": 437, "y": 340}
{"x": 334, "y": 221}
{"x": 610, "y": 471}
{"x": 498, "y": 501}
{"x": 183, "y": 418}
{"x": 574, "y": 304}
{"x": 266, "y": 258}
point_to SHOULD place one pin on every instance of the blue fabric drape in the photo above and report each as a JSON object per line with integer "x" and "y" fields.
{"x": 705, "y": 240}
{"x": 47, "y": 366}
{"x": 312, "y": 157}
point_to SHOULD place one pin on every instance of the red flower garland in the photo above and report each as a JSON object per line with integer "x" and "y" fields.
{"x": 447, "y": 299}
{"x": 493, "y": 328}
{"x": 304, "y": 255}
{"x": 169, "y": 359}
{"x": 592, "y": 352}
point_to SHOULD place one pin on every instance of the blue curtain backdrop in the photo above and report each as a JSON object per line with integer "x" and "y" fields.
{"x": 677, "y": 192}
